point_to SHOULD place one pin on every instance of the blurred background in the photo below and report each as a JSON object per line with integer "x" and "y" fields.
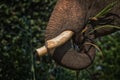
{"x": 22, "y": 29}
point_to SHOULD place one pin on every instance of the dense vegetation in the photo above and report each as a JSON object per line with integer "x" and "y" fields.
{"x": 22, "y": 26}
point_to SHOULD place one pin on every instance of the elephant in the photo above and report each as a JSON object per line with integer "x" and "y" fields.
{"x": 73, "y": 15}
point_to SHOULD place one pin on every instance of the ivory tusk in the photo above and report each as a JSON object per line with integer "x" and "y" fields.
{"x": 55, "y": 42}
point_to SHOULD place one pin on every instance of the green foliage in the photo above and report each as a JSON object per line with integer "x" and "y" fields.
{"x": 110, "y": 65}
{"x": 106, "y": 10}
{"x": 22, "y": 28}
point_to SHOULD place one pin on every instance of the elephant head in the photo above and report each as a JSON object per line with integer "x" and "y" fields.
{"x": 73, "y": 15}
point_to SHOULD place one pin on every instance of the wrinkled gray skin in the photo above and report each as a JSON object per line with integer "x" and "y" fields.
{"x": 72, "y": 15}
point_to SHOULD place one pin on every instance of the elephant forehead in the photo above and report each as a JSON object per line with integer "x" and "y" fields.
{"x": 62, "y": 18}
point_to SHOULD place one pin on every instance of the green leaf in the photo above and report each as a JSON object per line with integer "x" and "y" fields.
{"x": 104, "y": 26}
{"x": 106, "y": 10}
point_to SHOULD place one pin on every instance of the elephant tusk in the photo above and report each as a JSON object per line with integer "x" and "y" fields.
{"x": 55, "y": 42}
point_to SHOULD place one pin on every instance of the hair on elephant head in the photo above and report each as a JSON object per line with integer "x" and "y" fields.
{"x": 73, "y": 15}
